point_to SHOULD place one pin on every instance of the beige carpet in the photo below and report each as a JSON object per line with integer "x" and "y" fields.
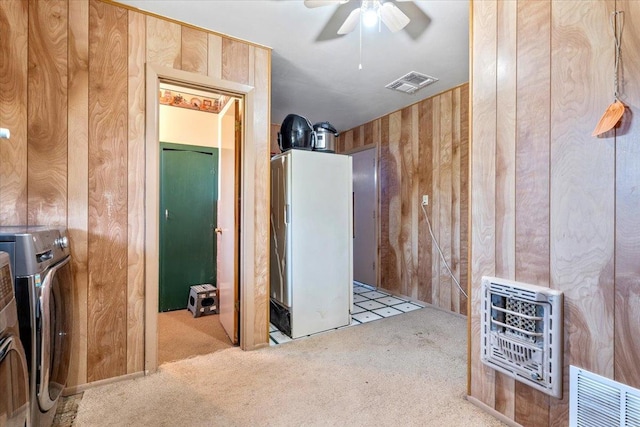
{"x": 181, "y": 336}
{"x": 406, "y": 370}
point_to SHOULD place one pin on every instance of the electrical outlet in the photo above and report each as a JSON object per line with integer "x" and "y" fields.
{"x": 425, "y": 199}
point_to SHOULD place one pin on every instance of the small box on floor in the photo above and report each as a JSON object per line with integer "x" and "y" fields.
{"x": 203, "y": 299}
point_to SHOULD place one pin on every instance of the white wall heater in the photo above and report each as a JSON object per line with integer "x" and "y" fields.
{"x": 521, "y": 332}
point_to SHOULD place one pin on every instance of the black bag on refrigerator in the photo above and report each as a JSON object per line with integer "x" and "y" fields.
{"x": 296, "y": 132}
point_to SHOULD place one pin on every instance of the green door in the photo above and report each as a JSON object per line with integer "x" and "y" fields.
{"x": 188, "y": 207}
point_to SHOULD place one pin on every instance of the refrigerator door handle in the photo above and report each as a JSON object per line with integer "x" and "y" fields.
{"x": 287, "y": 213}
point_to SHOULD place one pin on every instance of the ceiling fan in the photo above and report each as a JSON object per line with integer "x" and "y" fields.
{"x": 372, "y": 12}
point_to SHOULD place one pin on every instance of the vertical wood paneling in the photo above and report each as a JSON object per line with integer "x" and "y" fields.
{"x": 483, "y": 172}
{"x": 164, "y": 42}
{"x": 361, "y": 137}
{"x": 13, "y": 112}
{"x": 505, "y": 387}
{"x": 582, "y": 202}
{"x": 532, "y": 154}
{"x": 370, "y": 133}
{"x": 214, "y": 57}
{"x": 532, "y": 173}
{"x": 464, "y": 195}
{"x": 194, "y": 50}
{"x": 78, "y": 218}
{"x": 273, "y": 136}
{"x": 454, "y": 219}
{"x": 414, "y": 200}
{"x": 532, "y": 406}
{"x": 506, "y": 142}
{"x": 394, "y": 171}
{"x": 405, "y": 178}
{"x": 425, "y": 144}
{"x": 627, "y": 316}
{"x": 445, "y": 197}
{"x": 357, "y": 137}
{"x": 135, "y": 192}
{"x": 77, "y": 221}
{"x": 347, "y": 140}
{"x": 108, "y": 118}
{"x": 261, "y": 73}
{"x": 235, "y": 61}
{"x": 251, "y": 65}
{"x": 384, "y": 158}
{"x": 47, "y": 118}
{"x": 505, "y": 172}
{"x": 435, "y": 202}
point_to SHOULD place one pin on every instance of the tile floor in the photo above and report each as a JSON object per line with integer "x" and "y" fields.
{"x": 368, "y": 304}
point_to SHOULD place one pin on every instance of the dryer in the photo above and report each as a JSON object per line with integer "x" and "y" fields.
{"x": 14, "y": 375}
{"x": 40, "y": 260}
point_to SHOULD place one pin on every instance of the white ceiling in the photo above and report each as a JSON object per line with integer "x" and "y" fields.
{"x": 315, "y": 72}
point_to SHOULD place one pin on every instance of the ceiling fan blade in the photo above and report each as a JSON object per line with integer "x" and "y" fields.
{"x": 393, "y": 17}
{"x": 319, "y": 3}
{"x": 350, "y": 23}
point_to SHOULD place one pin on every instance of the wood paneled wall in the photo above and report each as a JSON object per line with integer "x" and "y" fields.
{"x": 422, "y": 149}
{"x": 552, "y": 205}
{"x": 274, "y": 129}
{"x": 72, "y": 93}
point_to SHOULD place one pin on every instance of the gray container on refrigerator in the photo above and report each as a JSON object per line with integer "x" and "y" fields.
{"x": 311, "y": 242}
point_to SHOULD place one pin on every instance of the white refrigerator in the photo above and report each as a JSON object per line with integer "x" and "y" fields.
{"x": 311, "y": 267}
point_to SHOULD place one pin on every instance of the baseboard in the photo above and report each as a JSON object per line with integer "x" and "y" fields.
{"x": 444, "y": 310}
{"x": 68, "y": 391}
{"x": 489, "y": 410}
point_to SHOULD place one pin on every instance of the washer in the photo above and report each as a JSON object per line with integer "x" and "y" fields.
{"x": 40, "y": 260}
{"x": 14, "y": 375}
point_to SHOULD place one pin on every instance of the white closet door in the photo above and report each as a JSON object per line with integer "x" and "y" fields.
{"x": 365, "y": 242}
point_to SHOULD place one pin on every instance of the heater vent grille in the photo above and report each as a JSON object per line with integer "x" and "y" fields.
{"x": 598, "y": 401}
{"x": 521, "y": 332}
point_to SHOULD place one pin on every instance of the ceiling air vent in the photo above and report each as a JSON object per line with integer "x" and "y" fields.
{"x": 411, "y": 82}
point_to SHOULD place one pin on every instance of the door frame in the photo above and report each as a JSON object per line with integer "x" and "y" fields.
{"x": 245, "y": 282}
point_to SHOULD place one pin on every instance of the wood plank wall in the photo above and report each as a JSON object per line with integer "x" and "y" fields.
{"x": 274, "y": 129}
{"x": 72, "y": 94}
{"x": 422, "y": 149}
{"x": 551, "y": 204}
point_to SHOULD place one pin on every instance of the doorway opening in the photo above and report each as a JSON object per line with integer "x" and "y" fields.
{"x": 194, "y": 127}
{"x": 196, "y": 93}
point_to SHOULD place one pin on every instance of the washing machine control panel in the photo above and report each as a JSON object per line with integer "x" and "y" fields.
{"x": 6, "y": 282}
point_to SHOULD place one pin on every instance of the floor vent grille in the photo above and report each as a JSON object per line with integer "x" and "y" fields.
{"x": 596, "y": 401}
{"x": 521, "y": 332}
{"x": 410, "y": 83}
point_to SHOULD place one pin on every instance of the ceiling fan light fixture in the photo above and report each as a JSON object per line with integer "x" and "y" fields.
{"x": 370, "y": 17}
{"x": 369, "y": 14}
